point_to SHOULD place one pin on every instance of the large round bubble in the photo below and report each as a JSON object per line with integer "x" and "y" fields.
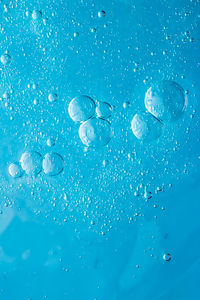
{"x": 31, "y": 162}
{"x": 146, "y": 127}
{"x": 95, "y": 132}
{"x": 52, "y": 164}
{"x": 166, "y": 101}
{"x": 81, "y": 108}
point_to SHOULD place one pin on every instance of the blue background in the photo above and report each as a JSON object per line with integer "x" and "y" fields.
{"x": 84, "y": 235}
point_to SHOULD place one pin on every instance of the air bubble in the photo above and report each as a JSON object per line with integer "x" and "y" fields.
{"x": 146, "y": 127}
{"x": 103, "y": 110}
{"x": 166, "y": 101}
{"x": 81, "y": 108}
{"x": 15, "y": 170}
{"x": 167, "y": 257}
{"x": 31, "y": 162}
{"x": 101, "y": 14}
{"x": 36, "y": 15}
{"x": 52, "y": 164}
{"x": 52, "y": 97}
{"x": 5, "y": 59}
{"x": 95, "y": 132}
{"x": 50, "y": 142}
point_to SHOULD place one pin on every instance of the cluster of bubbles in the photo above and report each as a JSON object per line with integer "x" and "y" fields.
{"x": 95, "y": 130}
{"x": 32, "y": 163}
{"x": 165, "y": 102}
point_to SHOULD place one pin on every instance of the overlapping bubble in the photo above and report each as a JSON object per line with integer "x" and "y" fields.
{"x": 95, "y": 130}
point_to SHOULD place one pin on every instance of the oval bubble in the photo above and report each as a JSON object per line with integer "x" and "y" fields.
{"x": 5, "y": 59}
{"x": 103, "y": 110}
{"x": 81, "y": 108}
{"x": 95, "y": 132}
{"x": 15, "y": 170}
{"x": 52, "y": 164}
{"x": 31, "y": 162}
{"x": 166, "y": 101}
{"x": 146, "y": 127}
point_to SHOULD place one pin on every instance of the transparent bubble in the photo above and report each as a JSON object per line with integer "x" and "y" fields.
{"x": 52, "y": 164}
{"x": 146, "y": 127}
{"x": 36, "y": 15}
{"x": 103, "y": 110}
{"x": 166, "y": 101}
{"x": 81, "y": 108}
{"x": 52, "y": 97}
{"x": 101, "y": 14}
{"x": 50, "y": 142}
{"x": 95, "y": 132}
{"x": 31, "y": 162}
{"x": 167, "y": 257}
{"x": 126, "y": 104}
{"x": 5, "y": 59}
{"x": 15, "y": 170}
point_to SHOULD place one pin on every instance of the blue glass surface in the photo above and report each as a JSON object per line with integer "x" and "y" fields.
{"x": 94, "y": 203}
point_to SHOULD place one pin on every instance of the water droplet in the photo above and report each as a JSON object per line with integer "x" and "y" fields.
{"x": 103, "y": 110}
{"x": 167, "y": 257}
{"x": 15, "y": 170}
{"x": 52, "y": 97}
{"x": 166, "y": 101}
{"x": 146, "y": 127}
{"x": 5, "y": 59}
{"x": 95, "y": 132}
{"x": 31, "y": 162}
{"x": 52, "y": 164}
{"x": 81, "y": 108}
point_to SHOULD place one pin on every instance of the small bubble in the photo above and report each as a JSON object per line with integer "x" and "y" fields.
{"x": 36, "y": 15}
{"x": 35, "y": 101}
{"x": 15, "y": 170}
{"x": 126, "y": 104}
{"x": 167, "y": 256}
{"x": 52, "y": 97}
{"x": 105, "y": 162}
{"x": 76, "y": 34}
{"x": 101, "y": 14}
{"x": 5, "y": 59}
{"x": 50, "y": 142}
